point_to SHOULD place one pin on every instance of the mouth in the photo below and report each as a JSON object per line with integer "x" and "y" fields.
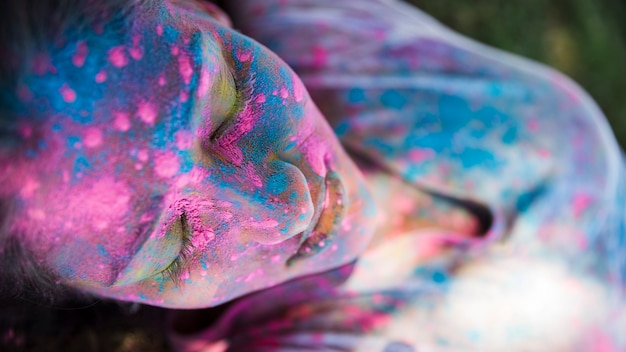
{"x": 326, "y": 228}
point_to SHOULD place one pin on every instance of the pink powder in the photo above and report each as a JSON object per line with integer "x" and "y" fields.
{"x": 147, "y": 112}
{"x": 101, "y": 76}
{"x": 284, "y": 93}
{"x": 203, "y": 85}
{"x": 419, "y": 155}
{"x": 184, "y": 96}
{"x": 121, "y": 122}
{"x": 244, "y": 56}
{"x": 166, "y": 164}
{"x": 183, "y": 139}
{"x": 93, "y": 137}
{"x": 136, "y": 52}
{"x": 185, "y": 69}
{"x": 175, "y": 50}
{"x": 142, "y": 155}
{"x": 298, "y": 88}
{"x": 67, "y": 93}
{"x": 260, "y": 98}
{"x": 78, "y": 59}
{"x": 580, "y": 203}
{"x": 159, "y": 30}
{"x": 252, "y": 175}
{"x": 162, "y": 80}
{"x": 263, "y": 224}
{"x": 117, "y": 57}
{"x": 30, "y": 186}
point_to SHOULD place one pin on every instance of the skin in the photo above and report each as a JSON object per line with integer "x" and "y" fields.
{"x": 182, "y": 131}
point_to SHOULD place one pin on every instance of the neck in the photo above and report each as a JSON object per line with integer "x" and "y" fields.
{"x": 406, "y": 209}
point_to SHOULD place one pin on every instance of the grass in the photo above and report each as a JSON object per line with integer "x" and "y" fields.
{"x": 585, "y": 39}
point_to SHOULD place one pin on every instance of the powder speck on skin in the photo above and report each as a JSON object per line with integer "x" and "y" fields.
{"x": 136, "y": 52}
{"x": 147, "y": 112}
{"x": 67, "y": 93}
{"x": 121, "y": 122}
{"x": 101, "y": 76}
{"x": 159, "y": 30}
{"x": 166, "y": 164}
{"x": 243, "y": 56}
{"x": 117, "y": 57}
{"x": 30, "y": 186}
{"x": 184, "y": 65}
{"x": 93, "y": 137}
{"x": 78, "y": 59}
{"x": 183, "y": 139}
{"x": 142, "y": 155}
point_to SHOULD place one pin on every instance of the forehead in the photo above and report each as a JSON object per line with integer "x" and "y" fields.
{"x": 155, "y": 60}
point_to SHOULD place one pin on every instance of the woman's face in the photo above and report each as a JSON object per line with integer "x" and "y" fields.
{"x": 181, "y": 166}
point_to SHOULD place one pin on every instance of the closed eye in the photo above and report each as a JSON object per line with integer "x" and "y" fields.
{"x": 244, "y": 89}
{"x": 174, "y": 270}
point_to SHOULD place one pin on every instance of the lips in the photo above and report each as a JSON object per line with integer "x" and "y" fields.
{"x": 327, "y": 225}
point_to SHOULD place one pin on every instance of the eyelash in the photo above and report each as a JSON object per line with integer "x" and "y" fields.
{"x": 176, "y": 267}
{"x": 244, "y": 89}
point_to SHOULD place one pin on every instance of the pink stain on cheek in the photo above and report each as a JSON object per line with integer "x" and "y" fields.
{"x": 67, "y": 93}
{"x": 121, "y": 122}
{"x": 147, "y": 112}
{"x": 166, "y": 164}
{"x": 78, "y": 59}
{"x": 93, "y": 137}
{"x": 183, "y": 139}
{"x": 117, "y": 57}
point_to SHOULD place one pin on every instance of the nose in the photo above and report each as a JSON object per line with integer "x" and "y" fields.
{"x": 287, "y": 208}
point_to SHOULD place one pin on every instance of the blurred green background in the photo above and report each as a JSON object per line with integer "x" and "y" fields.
{"x": 585, "y": 39}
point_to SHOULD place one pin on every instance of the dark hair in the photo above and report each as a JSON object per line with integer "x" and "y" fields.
{"x": 29, "y": 27}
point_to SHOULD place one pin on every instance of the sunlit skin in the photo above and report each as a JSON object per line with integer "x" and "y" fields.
{"x": 185, "y": 131}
